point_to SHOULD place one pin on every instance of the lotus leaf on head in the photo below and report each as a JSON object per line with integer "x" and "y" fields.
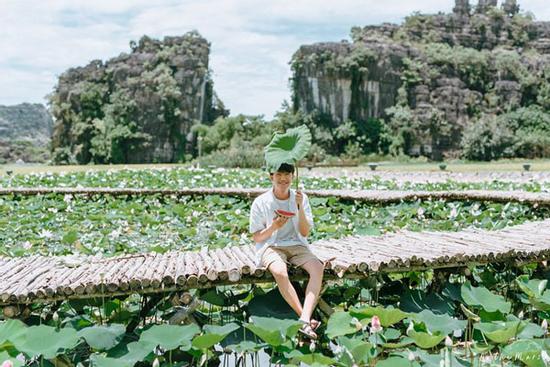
{"x": 288, "y": 148}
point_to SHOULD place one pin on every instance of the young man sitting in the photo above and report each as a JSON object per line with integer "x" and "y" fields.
{"x": 281, "y": 239}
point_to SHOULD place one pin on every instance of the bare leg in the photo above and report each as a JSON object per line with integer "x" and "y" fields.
{"x": 315, "y": 270}
{"x": 280, "y": 273}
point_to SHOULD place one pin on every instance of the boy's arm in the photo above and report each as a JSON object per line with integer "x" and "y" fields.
{"x": 303, "y": 224}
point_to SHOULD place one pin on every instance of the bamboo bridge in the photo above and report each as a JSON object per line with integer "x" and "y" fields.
{"x": 25, "y": 280}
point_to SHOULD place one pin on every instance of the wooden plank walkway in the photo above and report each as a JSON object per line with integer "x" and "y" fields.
{"x": 374, "y": 196}
{"x": 45, "y": 279}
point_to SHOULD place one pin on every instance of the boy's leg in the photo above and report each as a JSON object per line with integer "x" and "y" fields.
{"x": 280, "y": 272}
{"x": 315, "y": 270}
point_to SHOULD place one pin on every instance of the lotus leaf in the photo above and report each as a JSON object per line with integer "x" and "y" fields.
{"x": 213, "y": 334}
{"x": 273, "y": 331}
{"x": 482, "y": 297}
{"x": 170, "y": 336}
{"x": 341, "y": 323}
{"x": 103, "y": 337}
{"x": 500, "y": 332}
{"x": 388, "y": 316}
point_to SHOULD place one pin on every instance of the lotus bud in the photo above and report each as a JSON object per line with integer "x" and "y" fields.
{"x": 544, "y": 325}
{"x": 312, "y": 346}
{"x": 448, "y": 342}
{"x": 520, "y": 315}
{"x": 411, "y": 356}
{"x": 156, "y": 363}
{"x": 375, "y": 327}
{"x": 55, "y": 316}
{"x": 7, "y": 364}
{"x": 545, "y": 358}
{"x": 410, "y": 327}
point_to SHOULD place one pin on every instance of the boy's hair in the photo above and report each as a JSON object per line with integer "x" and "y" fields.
{"x": 284, "y": 168}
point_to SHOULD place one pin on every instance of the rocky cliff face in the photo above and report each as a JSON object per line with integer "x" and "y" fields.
{"x": 136, "y": 107}
{"x": 25, "y": 131}
{"x": 442, "y": 70}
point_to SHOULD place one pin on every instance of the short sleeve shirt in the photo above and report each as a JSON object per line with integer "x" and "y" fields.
{"x": 262, "y": 214}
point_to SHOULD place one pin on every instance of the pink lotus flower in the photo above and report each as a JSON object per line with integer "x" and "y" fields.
{"x": 375, "y": 326}
{"x": 7, "y": 364}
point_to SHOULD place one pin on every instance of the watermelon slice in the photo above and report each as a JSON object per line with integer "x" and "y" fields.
{"x": 284, "y": 213}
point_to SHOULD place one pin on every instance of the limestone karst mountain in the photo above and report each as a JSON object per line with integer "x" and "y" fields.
{"x": 25, "y": 131}
{"x": 431, "y": 77}
{"x": 137, "y": 107}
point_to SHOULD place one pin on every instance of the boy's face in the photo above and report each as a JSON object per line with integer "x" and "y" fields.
{"x": 281, "y": 180}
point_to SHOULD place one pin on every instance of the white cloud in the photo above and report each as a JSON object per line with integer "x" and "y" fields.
{"x": 252, "y": 41}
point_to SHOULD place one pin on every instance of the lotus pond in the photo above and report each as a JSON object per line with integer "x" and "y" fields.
{"x": 189, "y": 177}
{"x": 495, "y": 315}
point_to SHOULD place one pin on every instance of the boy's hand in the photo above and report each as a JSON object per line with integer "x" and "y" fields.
{"x": 279, "y": 222}
{"x": 299, "y": 199}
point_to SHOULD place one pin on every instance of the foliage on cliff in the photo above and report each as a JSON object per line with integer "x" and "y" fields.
{"x": 25, "y": 131}
{"x": 136, "y": 107}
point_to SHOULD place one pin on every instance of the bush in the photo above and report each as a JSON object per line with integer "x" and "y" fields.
{"x": 485, "y": 140}
{"x": 240, "y": 154}
{"x": 523, "y": 133}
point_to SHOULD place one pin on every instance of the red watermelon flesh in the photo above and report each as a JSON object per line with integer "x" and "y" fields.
{"x": 284, "y": 213}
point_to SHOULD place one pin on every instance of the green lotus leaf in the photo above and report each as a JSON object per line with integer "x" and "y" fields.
{"x": 170, "y": 336}
{"x": 393, "y": 362}
{"x": 388, "y": 315}
{"x": 532, "y": 288}
{"x": 103, "y": 337}
{"x": 213, "y": 334}
{"x": 339, "y": 324}
{"x": 135, "y": 352}
{"x": 98, "y": 360}
{"x": 245, "y": 346}
{"x": 499, "y": 331}
{"x": 391, "y": 334}
{"x": 424, "y": 339}
{"x": 528, "y": 351}
{"x": 273, "y": 331}
{"x": 10, "y": 329}
{"x": 358, "y": 349}
{"x": 317, "y": 359}
{"x": 289, "y": 147}
{"x": 531, "y": 330}
{"x": 482, "y": 297}
{"x": 434, "y": 360}
{"x": 443, "y": 323}
{"x": 46, "y": 341}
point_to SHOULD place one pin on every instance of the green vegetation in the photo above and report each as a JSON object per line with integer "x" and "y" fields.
{"x": 59, "y": 225}
{"x": 491, "y": 315}
{"x": 189, "y": 177}
{"x": 524, "y": 132}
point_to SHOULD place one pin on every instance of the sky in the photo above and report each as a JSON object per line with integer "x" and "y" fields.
{"x": 252, "y": 41}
